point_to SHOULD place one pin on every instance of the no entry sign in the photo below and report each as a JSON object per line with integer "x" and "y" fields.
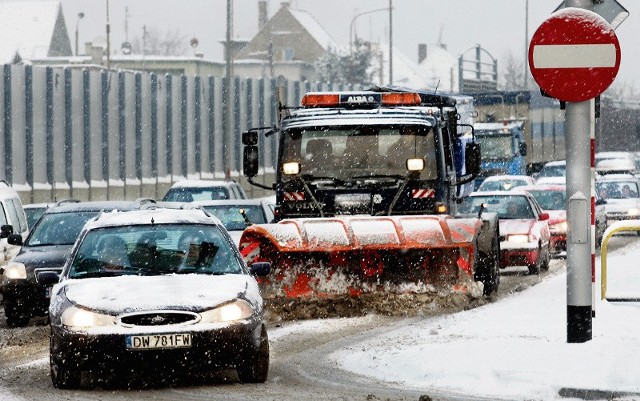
{"x": 574, "y": 55}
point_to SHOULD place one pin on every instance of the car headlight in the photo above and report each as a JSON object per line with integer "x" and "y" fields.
{"x": 236, "y": 310}
{"x": 522, "y": 238}
{"x": 15, "y": 271}
{"x": 633, "y": 212}
{"x": 82, "y": 318}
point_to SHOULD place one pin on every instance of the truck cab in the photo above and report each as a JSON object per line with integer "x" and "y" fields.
{"x": 503, "y": 149}
{"x": 372, "y": 153}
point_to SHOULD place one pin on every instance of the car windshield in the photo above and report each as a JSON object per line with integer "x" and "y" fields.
{"x": 495, "y": 146}
{"x": 506, "y": 206}
{"x": 232, "y": 218}
{"x": 58, "y": 228}
{"x": 154, "y": 250}
{"x": 33, "y": 214}
{"x": 347, "y": 152}
{"x": 550, "y": 200}
{"x": 553, "y": 171}
{"x": 617, "y": 189}
{"x": 196, "y": 194}
{"x": 501, "y": 185}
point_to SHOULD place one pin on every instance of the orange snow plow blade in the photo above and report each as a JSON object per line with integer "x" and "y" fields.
{"x": 351, "y": 255}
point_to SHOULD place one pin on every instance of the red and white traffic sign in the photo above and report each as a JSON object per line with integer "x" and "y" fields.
{"x": 574, "y": 55}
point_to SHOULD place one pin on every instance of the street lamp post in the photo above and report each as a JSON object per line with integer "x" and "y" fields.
{"x": 80, "y": 16}
{"x": 353, "y": 20}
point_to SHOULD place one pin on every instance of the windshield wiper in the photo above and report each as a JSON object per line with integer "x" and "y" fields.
{"x": 316, "y": 179}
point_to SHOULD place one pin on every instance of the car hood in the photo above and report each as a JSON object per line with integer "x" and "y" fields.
{"x": 556, "y": 216}
{"x": 43, "y": 256}
{"x": 515, "y": 226}
{"x": 622, "y": 205}
{"x": 193, "y": 292}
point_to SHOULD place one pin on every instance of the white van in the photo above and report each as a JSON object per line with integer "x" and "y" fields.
{"x": 12, "y": 221}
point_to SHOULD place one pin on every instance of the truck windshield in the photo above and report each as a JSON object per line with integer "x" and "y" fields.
{"x": 495, "y": 146}
{"x": 347, "y": 152}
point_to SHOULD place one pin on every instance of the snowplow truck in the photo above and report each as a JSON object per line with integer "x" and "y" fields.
{"x": 367, "y": 188}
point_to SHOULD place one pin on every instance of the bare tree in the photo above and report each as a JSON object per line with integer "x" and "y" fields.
{"x": 356, "y": 67}
{"x": 155, "y": 42}
{"x": 512, "y": 73}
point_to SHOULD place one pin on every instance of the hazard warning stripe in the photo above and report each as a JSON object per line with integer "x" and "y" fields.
{"x": 294, "y": 196}
{"x": 423, "y": 193}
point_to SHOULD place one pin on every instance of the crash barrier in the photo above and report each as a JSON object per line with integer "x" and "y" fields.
{"x": 89, "y": 133}
{"x": 613, "y": 229}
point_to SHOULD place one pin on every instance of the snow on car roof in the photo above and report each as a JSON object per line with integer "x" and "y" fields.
{"x": 155, "y": 216}
{"x": 239, "y": 202}
{"x": 202, "y": 183}
{"x": 508, "y": 177}
{"x": 556, "y": 163}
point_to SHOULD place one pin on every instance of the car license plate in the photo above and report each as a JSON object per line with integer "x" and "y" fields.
{"x": 155, "y": 341}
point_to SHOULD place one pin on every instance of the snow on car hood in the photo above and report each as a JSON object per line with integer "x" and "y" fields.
{"x": 622, "y": 205}
{"x": 556, "y": 216}
{"x": 193, "y": 292}
{"x": 515, "y": 226}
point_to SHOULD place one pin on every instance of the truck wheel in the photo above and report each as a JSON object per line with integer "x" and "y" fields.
{"x": 15, "y": 317}
{"x": 256, "y": 368}
{"x": 489, "y": 268}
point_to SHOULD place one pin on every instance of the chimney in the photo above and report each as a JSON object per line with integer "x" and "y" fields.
{"x": 284, "y": 4}
{"x": 262, "y": 13}
{"x": 422, "y": 52}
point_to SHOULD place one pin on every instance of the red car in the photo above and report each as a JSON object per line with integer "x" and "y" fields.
{"x": 524, "y": 228}
{"x": 552, "y": 199}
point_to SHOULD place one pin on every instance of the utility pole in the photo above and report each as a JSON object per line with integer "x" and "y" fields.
{"x": 108, "y": 38}
{"x": 228, "y": 96}
{"x": 390, "y": 42}
{"x": 526, "y": 45}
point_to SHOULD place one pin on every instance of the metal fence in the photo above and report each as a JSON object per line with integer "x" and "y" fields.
{"x": 95, "y": 134}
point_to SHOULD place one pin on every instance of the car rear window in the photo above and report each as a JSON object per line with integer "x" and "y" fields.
{"x": 196, "y": 194}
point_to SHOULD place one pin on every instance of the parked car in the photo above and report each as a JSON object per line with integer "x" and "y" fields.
{"x": 524, "y": 228}
{"x": 45, "y": 249}
{"x": 552, "y": 200}
{"x": 504, "y": 182}
{"x": 236, "y": 215}
{"x": 621, "y": 193}
{"x": 158, "y": 291}
{"x": 201, "y": 190}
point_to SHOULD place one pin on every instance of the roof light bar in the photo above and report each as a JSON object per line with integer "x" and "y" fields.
{"x": 336, "y": 99}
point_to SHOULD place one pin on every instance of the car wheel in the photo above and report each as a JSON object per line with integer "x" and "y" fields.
{"x": 64, "y": 377}
{"x": 15, "y": 318}
{"x": 489, "y": 268}
{"x": 546, "y": 261}
{"x": 256, "y": 368}
{"x": 535, "y": 268}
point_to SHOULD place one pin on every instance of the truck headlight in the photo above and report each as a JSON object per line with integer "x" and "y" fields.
{"x": 236, "y": 310}
{"x": 82, "y": 318}
{"x": 291, "y": 168}
{"x": 15, "y": 271}
{"x": 415, "y": 164}
{"x": 521, "y": 238}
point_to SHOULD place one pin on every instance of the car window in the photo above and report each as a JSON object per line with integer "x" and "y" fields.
{"x": 18, "y": 221}
{"x": 196, "y": 194}
{"x": 58, "y": 228}
{"x": 33, "y": 214}
{"x": 617, "y": 189}
{"x": 232, "y": 218}
{"x": 550, "y": 200}
{"x": 154, "y": 250}
{"x": 506, "y": 206}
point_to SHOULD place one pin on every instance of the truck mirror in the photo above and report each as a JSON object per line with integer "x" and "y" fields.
{"x": 472, "y": 159}
{"x": 250, "y": 161}
{"x": 250, "y": 138}
{"x": 6, "y": 230}
{"x": 522, "y": 147}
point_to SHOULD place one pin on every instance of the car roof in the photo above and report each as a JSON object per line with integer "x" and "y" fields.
{"x": 616, "y": 177}
{"x": 542, "y": 187}
{"x": 555, "y": 163}
{"x": 152, "y": 216}
{"x": 231, "y": 202}
{"x": 7, "y": 191}
{"x": 511, "y": 192}
{"x": 508, "y": 177}
{"x": 203, "y": 183}
{"x": 92, "y": 206}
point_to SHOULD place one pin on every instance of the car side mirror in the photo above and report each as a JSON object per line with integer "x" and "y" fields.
{"x": 260, "y": 269}
{"x": 543, "y": 216}
{"x": 600, "y": 202}
{"x": 48, "y": 278}
{"x": 14, "y": 239}
{"x": 6, "y": 230}
{"x": 472, "y": 159}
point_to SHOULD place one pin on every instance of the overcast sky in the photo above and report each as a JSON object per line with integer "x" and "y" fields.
{"x": 497, "y": 25}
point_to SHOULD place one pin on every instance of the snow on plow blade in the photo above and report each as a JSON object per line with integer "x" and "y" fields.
{"x": 350, "y": 255}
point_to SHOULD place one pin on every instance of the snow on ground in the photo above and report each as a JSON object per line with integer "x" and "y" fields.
{"x": 516, "y": 348}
